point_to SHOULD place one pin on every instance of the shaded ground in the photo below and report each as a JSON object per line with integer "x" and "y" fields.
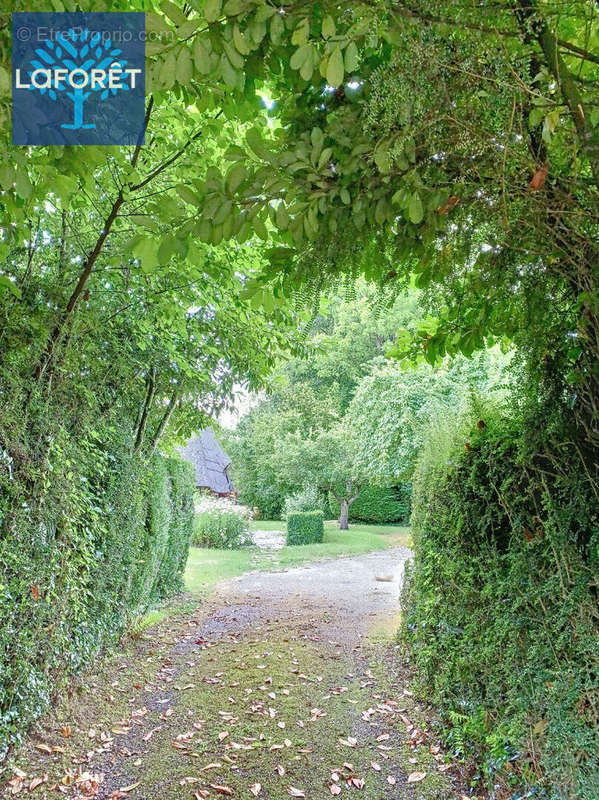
{"x": 281, "y": 684}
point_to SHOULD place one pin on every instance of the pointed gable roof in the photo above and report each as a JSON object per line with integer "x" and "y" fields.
{"x": 210, "y": 462}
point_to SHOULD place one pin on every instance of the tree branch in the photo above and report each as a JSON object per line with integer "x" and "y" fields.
{"x": 166, "y": 417}
{"x": 88, "y": 265}
{"x": 143, "y": 422}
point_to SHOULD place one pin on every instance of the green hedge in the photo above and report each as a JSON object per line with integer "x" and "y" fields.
{"x": 305, "y": 527}
{"x": 500, "y": 607}
{"x": 107, "y": 536}
{"x": 377, "y": 504}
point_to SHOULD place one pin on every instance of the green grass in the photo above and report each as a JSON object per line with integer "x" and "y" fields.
{"x": 267, "y": 525}
{"x": 357, "y": 540}
{"x": 207, "y": 566}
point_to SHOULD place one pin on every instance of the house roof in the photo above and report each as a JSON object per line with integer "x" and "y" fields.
{"x": 210, "y": 462}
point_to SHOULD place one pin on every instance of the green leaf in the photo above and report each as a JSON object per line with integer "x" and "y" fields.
{"x": 335, "y": 68}
{"x": 187, "y": 195}
{"x": 236, "y": 59}
{"x": 168, "y": 70}
{"x": 147, "y": 252}
{"x": 184, "y": 71}
{"x": 166, "y": 249}
{"x": 279, "y": 255}
{"x": 235, "y": 176}
{"x": 328, "y": 27}
{"x": 233, "y": 7}
{"x": 7, "y": 175}
{"x": 23, "y": 184}
{"x": 307, "y": 67}
{"x": 171, "y": 11}
{"x": 351, "y": 57}
{"x": 240, "y": 41}
{"x": 382, "y": 158}
{"x": 64, "y": 186}
{"x": 381, "y": 211}
{"x": 344, "y": 195}
{"x": 212, "y": 10}
{"x": 298, "y": 59}
{"x": 156, "y": 24}
{"x": 228, "y": 72}
{"x": 201, "y": 56}
{"x": 415, "y": 209}
{"x": 260, "y": 228}
{"x": 301, "y": 33}
{"x": 256, "y": 143}
{"x": 6, "y": 283}
{"x": 277, "y": 29}
{"x": 282, "y": 217}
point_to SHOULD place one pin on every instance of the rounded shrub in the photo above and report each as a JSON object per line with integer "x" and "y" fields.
{"x": 305, "y": 527}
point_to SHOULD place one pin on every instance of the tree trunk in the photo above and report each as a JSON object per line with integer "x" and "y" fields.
{"x": 344, "y": 515}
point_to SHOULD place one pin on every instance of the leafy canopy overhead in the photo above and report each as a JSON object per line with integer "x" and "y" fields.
{"x": 400, "y": 140}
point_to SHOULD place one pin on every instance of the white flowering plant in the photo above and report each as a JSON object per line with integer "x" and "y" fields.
{"x": 220, "y": 523}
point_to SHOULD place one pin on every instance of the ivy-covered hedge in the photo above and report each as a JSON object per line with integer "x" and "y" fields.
{"x": 500, "y": 607}
{"x": 107, "y": 536}
{"x": 305, "y": 527}
{"x": 377, "y": 504}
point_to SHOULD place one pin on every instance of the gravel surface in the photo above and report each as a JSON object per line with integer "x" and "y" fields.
{"x": 347, "y": 588}
{"x": 268, "y": 540}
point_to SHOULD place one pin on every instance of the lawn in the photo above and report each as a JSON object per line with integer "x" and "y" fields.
{"x": 206, "y": 566}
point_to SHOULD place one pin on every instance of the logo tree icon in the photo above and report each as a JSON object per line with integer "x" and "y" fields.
{"x": 75, "y": 51}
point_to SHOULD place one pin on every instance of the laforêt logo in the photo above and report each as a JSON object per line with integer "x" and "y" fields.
{"x": 78, "y": 78}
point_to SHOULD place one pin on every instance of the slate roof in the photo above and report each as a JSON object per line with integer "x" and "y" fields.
{"x": 210, "y": 462}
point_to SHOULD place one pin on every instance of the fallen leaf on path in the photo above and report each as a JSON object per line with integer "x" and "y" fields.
{"x": 349, "y": 742}
{"x": 334, "y": 789}
{"x": 293, "y": 792}
{"x": 200, "y": 794}
{"x": 37, "y": 782}
{"x": 255, "y": 789}
{"x": 45, "y": 748}
{"x": 66, "y": 731}
{"x": 130, "y": 788}
{"x": 280, "y": 769}
{"x": 151, "y": 733}
{"x": 222, "y": 735}
{"x": 376, "y": 767}
{"x": 16, "y": 784}
{"x": 216, "y": 765}
{"x": 357, "y": 782}
{"x": 221, "y": 789}
{"x": 416, "y": 777}
{"x": 391, "y": 780}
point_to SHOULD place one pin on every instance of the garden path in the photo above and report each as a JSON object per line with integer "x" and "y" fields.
{"x": 277, "y": 685}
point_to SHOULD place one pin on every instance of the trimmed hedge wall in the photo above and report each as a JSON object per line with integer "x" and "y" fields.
{"x": 378, "y": 504}
{"x": 305, "y": 527}
{"x": 500, "y": 615}
{"x": 108, "y": 536}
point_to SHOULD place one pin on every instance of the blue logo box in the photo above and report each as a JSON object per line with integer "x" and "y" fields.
{"x": 78, "y": 78}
